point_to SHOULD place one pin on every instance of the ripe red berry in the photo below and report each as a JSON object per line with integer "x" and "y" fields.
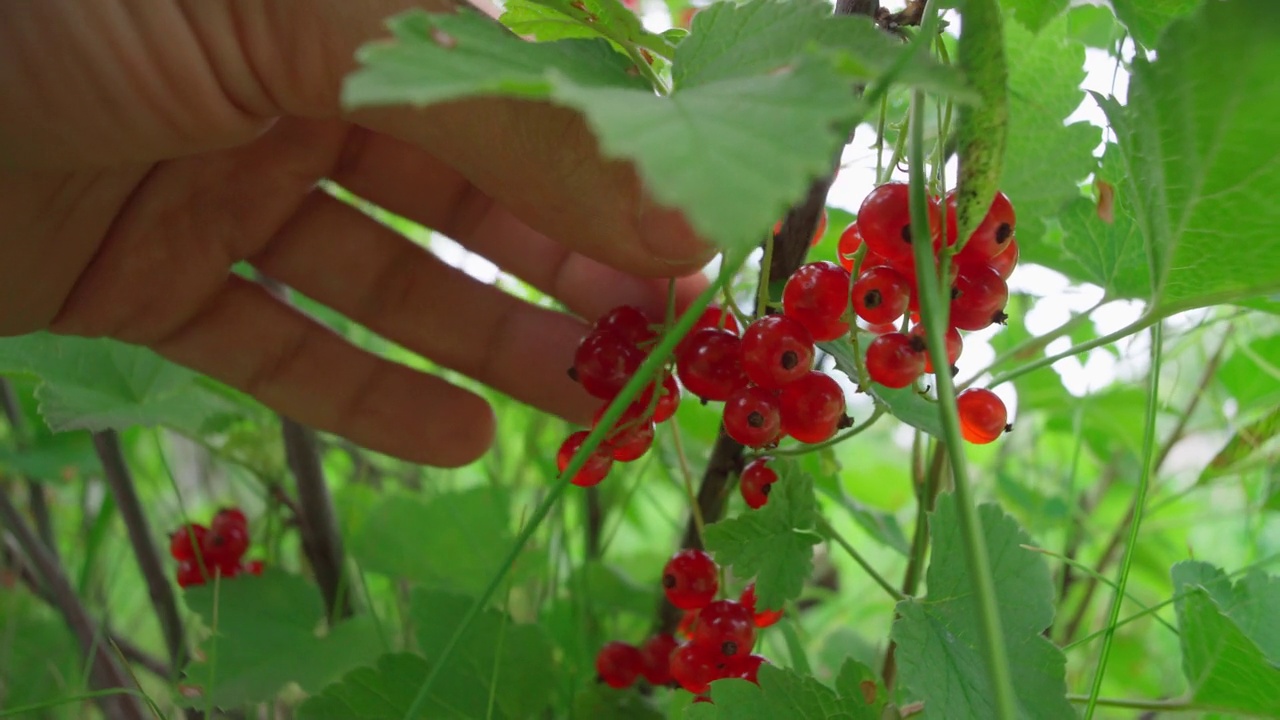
{"x": 763, "y": 618}
{"x": 668, "y": 399}
{"x": 817, "y": 295}
{"x": 884, "y": 220}
{"x": 711, "y": 364}
{"x": 180, "y": 545}
{"x": 983, "y": 416}
{"x": 596, "y": 466}
{"x": 756, "y": 482}
{"x": 632, "y": 434}
{"x": 656, "y": 653}
{"x": 751, "y": 417}
{"x": 812, "y": 408}
{"x": 992, "y": 236}
{"x": 727, "y": 626}
{"x": 955, "y": 345}
{"x": 1005, "y": 262}
{"x": 745, "y": 668}
{"x": 228, "y": 517}
{"x": 713, "y": 316}
{"x": 850, "y": 241}
{"x": 224, "y": 545}
{"x": 695, "y": 666}
{"x": 253, "y": 567}
{"x": 895, "y": 359}
{"x": 978, "y": 297}
{"x": 881, "y": 295}
{"x": 618, "y": 664}
{"x": 776, "y": 350}
{"x": 690, "y": 579}
{"x": 189, "y": 574}
{"x": 604, "y": 362}
{"x": 628, "y": 322}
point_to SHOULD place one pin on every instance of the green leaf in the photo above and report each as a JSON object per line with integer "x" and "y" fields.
{"x": 455, "y": 540}
{"x": 939, "y": 638}
{"x": 382, "y": 693}
{"x": 50, "y": 456}
{"x": 265, "y": 635}
{"x": 905, "y": 404}
{"x": 1200, "y": 151}
{"x": 1147, "y": 19}
{"x": 498, "y": 657}
{"x": 775, "y": 543}
{"x": 1230, "y": 638}
{"x": 785, "y": 694}
{"x": 1245, "y": 443}
{"x": 1110, "y": 252}
{"x": 1045, "y": 160}
{"x": 1252, "y": 373}
{"x": 103, "y": 384}
{"x": 1095, "y": 26}
{"x": 601, "y": 701}
{"x": 548, "y": 20}
{"x": 1035, "y": 14}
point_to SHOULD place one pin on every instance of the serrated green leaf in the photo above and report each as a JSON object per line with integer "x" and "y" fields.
{"x": 1045, "y": 160}
{"x": 785, "y": 694}
{"x": 99, "y": 384}
{"x": 496, "y": 656}
{"x": 775, "y": 543}
{"x": 601, "y": 701}
{"x": 903, "y": 403}
{"x": 548, "y": 20}
{"x": 862, "y": 691}
{"x": 1110, "y": 252}
{"x": 1094, "y": 25}
{"x": 1225, "y": 665}
{"x": 50, "y": 456}
{"x": 1244, "y": 443}
{"x": 1035, "y": 14}
{"x": 1146, "y": 19}
{"x": 265, "y": 635}
{"x": 455, "y": 540}
{"x": 1252, "y": 373}
{"x": 939, "y": 653}
{"x": 381, "y": 693}
{"x": 1201, "y": 155}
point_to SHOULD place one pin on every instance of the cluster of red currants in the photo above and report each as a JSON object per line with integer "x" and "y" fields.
{"x": 205, "y": 552}
{"x": 718, "y": 634}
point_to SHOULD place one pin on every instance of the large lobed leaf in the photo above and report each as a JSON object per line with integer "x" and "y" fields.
{"x": 1146, "y": 19}
{"x": 859, "y": 695}
{"x": 1202, "y": 155}
{"x": 775, "y": 543}
{"x": 905, "y": 404}
{"x": 382, "y": 693}
{"x": 561, "y": 19}
{"x": 939, "y": 638}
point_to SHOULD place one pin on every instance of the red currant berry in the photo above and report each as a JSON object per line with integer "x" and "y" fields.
{"x": 776, "y": 350}
{"x": 618, "y": 664}
{"x": 817, "y": 295}
{"x": 955, "y": 345}
{"x": 746, "y": 668}
{"x": 751, "y": 417}
{"x": 604, "y": 362}
{"x": 992, "y": 236}
{"x": 628, "y": 322}
{"x": 596, "y": 467}
{"x": 764, "y": 618}
{"x": 714, "y": 316}
{"x": 983, "y": 416}
{"x": 756, "y": 482}
{"x": 1005, "y": 262}
{"x": 690, "y": 579}
{"x": 228, "y": 517}
{"x": 727, "y": 626}
{"x": 656, "y": 652}
{"x": 632, "y": 434}
{"x": 812, "y": 408}
{"x": 189, "y": 574}
{"x": 254, "y": 567}
{"x": 695, "y": 667}
{"x": 180, "y": 545}
{"x": 978, "y": 297}
{"x": 885, "y": 221}
{"x": 711, "y": 364}
{"x": 850, "y": 241}
{"x": 895, "y": 359}
{"x": 224, "y": 545}
{"x": 881, "y": 295}
{"x": 668, "y": 399}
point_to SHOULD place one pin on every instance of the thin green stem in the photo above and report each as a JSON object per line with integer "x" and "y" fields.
{"x": 692, "y": 495}
{"x": 1036, "y": 344}
{"x": 806, "y": 449}
{"x": 1138, "y": 704}
{"x": 649, "y": 369}
{"x": 1144, "y": 481}
{"x": 1138, "y": 325}
{"x": 655, "y": 80}
{"x": 1100, "y": 577}
{"x": 826, "y": 528}
{"x": 934, "y": 311}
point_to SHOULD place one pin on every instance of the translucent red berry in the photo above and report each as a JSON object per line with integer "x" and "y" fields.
{"x": 656, "y": 653}
{"x": 224, "y": 545}
{"x": 189, "y": 574}
{"x": 695, "y": 667}
{"x": 756, "y": 482}
{"x": 690, "y": 579}
{"x": 895, "y": 359}
{"x": 978, "y": 297}
{"x": 850, "y": 241}
{"x": 812, "y": 408}
{"x": 992, "y": 236}
{"x": 752, "y": 417}
{"x": 618, "y": 664}
{"x": 1005, "y": 262}
{"x": 881, "y": 295}
{"x": 983, "y": 416}
{"x": 628, "y": 322}
{"x": 712, "y": 317}
{"x": 955, "y": 345}
{"x": 668, "y": 399}
{"x": 710, "y": 366}
{"x": 632, "y": 434}
{"x": 817, "y": 295}
{"x": 604, "y": 362}
{"x": 776, "y": 350}
{"x": 884, "y": 220}
{"x": 180, "y": 545}
{"x": 596, "y": 467}
{"x": 745, "y": 668}
{"x": 762, "y": 618}
{"x": 727, "y": 626}
{"x": 229, "y": 517}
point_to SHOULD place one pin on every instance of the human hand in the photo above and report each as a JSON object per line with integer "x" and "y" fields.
{"x": 146, "y": 146}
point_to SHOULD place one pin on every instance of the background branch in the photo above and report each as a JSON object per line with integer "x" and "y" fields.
{"x": 36, "y": 501}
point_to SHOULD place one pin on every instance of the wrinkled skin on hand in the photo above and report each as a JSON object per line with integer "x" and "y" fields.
{"x": 147, "y": 146}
